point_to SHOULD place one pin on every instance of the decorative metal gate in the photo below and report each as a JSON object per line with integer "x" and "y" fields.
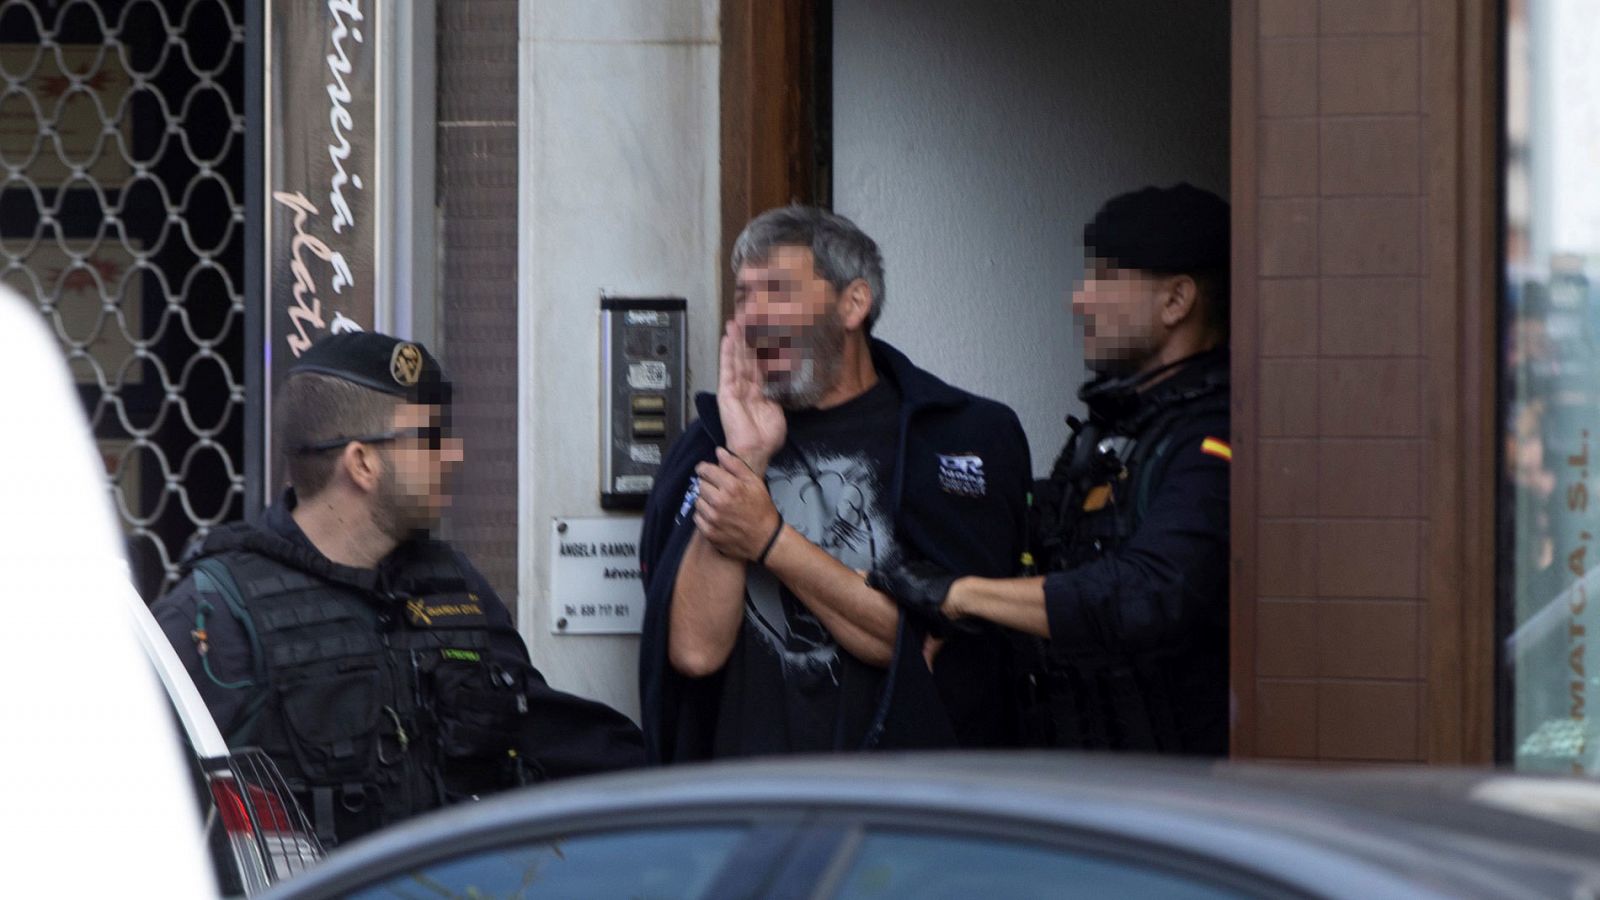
{"x": 122, "y": 214}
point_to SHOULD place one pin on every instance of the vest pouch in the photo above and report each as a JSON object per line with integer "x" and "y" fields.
{"x": 479, "y": 707}
{"x": 333, "y": 722}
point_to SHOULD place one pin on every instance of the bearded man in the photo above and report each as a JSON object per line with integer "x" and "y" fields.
{"x": 372, "y": 663}
{"x": 823, "y": 455}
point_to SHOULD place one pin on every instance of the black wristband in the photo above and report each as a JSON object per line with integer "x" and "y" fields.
{"x": 762, "y": 558}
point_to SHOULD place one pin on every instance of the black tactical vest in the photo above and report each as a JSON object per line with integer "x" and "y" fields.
{"x": 1088, "y": 508}
{"x": 382, "y": 699}
{"x": 1100, "y": 485}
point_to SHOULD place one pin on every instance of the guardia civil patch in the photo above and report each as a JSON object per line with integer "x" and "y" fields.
{"x": 1218, "y": 448}
{"x": 444, "y": 611}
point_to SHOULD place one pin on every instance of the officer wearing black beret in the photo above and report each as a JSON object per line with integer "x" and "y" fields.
{"x": 1131, "y": 527}
{"x": 373, "y": 663}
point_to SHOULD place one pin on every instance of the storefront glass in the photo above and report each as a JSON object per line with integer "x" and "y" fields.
{"x": 1550, "y": 335}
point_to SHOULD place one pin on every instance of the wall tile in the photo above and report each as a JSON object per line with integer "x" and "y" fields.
{"x": 1366, "y": 638}
{"x": 1369, "y": 478}
{"x": 477, "y": 185}
{"x": 1370, "y": 156}
{"x": 1369, "y": 398}
{"x": 1288, "y": 78}
{"x": 1287, "y": 559}
{"x": 1368, "y": 75}
{"x": 1368, "y": 559}
{"x": 1288, "y": 155}
{"x": 1369, "y": 17}
{"x": 1287, "y": 18}
{"x": 1288, "y": 398}
{"x": 1370, "y": 236}
{"x": 1370, "y": 316}
{"x": 1286, "y": 719}
{"x": 1359, "y": 721}
{"x": 1288, "y": 478}
{"x": 1289, "y": 316}
{"x": 1288, "y": 237}
{"x": 477, "y": 61}
{"x": 1291, "y": 651}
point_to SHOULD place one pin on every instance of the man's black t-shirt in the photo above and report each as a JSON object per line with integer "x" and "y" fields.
{"x": 788, "y": 682}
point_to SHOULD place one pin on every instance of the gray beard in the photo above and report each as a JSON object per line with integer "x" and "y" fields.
{"x": 799, "y": 390}
{"x": 805, "y": 387}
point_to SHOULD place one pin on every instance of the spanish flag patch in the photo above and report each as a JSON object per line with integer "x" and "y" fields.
{"x": 1219, "y": 449}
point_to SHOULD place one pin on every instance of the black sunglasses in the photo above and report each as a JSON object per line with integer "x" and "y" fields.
{"x": 432, "y": 435}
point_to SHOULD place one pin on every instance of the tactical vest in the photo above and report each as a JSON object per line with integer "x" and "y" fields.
{"x": 1100, "y": 485}
{"x": 1091, "y": 505}
{"x": 381, "y": 697}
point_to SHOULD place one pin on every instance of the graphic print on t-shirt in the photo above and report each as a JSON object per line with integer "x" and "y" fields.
{"x": 835, "y": 503}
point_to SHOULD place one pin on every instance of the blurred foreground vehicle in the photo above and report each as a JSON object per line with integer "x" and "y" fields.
{"x": 98, "y": 798}
{"x": 993, "y": 825}
{"x": 96, "y": 795}
{"x": 256, "y": 831}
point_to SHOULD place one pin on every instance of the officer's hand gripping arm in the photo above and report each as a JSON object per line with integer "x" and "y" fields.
{"x": 920, "y": 588}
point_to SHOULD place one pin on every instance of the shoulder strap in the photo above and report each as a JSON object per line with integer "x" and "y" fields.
{"x": 1150, "y": 457}
{"x": 212, "y": 575}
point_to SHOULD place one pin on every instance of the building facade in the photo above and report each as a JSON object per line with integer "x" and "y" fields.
{"x": 1412, "y": 231}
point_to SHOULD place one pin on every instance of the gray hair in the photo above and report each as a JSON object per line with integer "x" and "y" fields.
{"x": 840, "y": 251}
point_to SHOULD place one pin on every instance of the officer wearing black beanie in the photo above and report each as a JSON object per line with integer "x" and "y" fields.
{"x": 1131, "y": 527}
{"x": 372, "y": 662}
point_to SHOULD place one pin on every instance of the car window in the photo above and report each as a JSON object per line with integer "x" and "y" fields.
{"x": 652, "y": 863}
{"x": 929, "y": 866}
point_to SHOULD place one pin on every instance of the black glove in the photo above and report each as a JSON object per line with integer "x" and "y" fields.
{"x": 920, "y": 588}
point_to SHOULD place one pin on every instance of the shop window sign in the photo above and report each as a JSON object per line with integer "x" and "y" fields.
{"x": 1550, "y": 409}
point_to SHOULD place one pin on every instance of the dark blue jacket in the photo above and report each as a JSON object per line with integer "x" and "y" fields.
{"x": 966, "y": 702}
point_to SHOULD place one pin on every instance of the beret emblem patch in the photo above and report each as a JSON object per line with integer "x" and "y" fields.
{"x": 406, "y": 364}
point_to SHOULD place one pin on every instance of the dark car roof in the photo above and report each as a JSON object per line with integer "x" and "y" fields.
{"x": 1356, "y": 833}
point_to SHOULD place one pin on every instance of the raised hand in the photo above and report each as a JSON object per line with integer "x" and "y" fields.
{"x": 753, "y": 424}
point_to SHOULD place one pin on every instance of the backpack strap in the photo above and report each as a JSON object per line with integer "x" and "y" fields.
{"x": 1150, "y": 458}
{"x": 211, "y": 575}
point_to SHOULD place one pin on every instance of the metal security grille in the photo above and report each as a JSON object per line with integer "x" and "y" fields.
{"x": 122, "y": 214}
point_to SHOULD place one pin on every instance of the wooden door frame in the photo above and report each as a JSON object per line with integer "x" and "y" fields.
{"x": 774, "y": 107}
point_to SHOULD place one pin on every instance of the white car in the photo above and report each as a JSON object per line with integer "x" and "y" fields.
{"x": 98, "y": 794}
{"x": 257, "y": 833}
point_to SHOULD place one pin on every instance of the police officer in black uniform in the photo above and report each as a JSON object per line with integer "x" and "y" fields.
{"x": 374, "y": 664}
{"x": 1131, "y": 527}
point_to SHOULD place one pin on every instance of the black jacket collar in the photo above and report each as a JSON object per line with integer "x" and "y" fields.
{"x": 1118, "y": 401}
{"x": 278, "y": 536}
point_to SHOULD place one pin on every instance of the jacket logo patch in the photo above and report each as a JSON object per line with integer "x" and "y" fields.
{"x": 689, "y": 496}
{"x": 962, "y": 473}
